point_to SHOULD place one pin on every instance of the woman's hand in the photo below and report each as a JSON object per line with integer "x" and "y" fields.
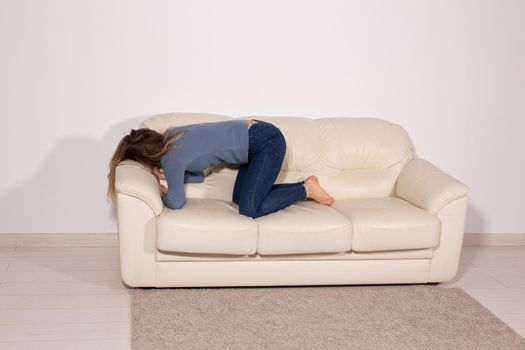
{"x": 159, "y": 173}
{"x": 163, "y": 190}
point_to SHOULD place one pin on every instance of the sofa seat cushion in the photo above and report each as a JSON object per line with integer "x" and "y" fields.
{"x": 206, "y": 225}
{"x": 304, "y": 227}
{"x": 389, "y": 223}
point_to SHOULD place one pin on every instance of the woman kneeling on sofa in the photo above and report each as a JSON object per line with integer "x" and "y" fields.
{"x": 257, "y": 146}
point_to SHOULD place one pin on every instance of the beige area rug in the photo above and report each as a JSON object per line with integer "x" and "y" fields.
{"x": 316, "y": 317}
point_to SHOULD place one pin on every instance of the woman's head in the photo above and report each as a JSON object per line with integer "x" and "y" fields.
{"x": 143, "y": 145}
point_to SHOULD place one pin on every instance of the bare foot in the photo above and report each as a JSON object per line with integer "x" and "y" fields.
{"x": 316, "y": 192}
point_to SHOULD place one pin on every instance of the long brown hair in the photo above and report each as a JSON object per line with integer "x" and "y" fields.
{"x": 143, "y": 145}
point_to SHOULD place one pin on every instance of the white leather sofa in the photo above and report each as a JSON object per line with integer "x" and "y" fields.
{"x": 397, "y": 218}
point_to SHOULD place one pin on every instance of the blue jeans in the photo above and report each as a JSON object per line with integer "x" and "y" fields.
{"x": 254, "y": 191}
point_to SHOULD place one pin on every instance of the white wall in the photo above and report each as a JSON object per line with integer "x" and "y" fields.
{"x": 75, "y": 76}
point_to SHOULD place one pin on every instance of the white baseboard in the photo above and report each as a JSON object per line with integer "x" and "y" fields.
{"x": 111, "y": 239}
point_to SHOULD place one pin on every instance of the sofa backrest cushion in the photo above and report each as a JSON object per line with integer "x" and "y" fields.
{"x": 352, "y": 157}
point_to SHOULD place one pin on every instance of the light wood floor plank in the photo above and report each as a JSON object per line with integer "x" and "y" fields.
{"x": 11, "y": 302}
{"x": 492, "y": 252}
{"x": 65, "y": 331}
{"x": 43, "y": 257}
{"x": 494, "y": 262}
{"x": 59, "y": 276}
{"x": 463, "y": 271}
{"x": 6, "y": 249}
{"x": 65, "y": 265}
{"x": 496, "y": 294}
{"x": 60, "y": 253}
{"x": 80, "y": 315}
{"x": 517, "y": 272}
{"x": 59, "y": 239}
{"x": 62, "y": 288}
{"x": 76, "y": 250}
{"x": 506, "y": 307}
{"x": 512, "y": 281}
{"x": 87, "y": 344}
{"x": 467, "y": 281}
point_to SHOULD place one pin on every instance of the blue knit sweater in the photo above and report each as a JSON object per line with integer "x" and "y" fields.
{"x": 202, "y": 145}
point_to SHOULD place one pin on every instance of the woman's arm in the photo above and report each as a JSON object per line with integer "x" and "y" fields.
{"x": 159, "y": 174}
{"x": 193, "y": 176}
{"x": 189, "y": 176}
{"x": 175, "y": 197}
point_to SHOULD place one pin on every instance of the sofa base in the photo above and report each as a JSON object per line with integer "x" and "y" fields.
{"x": 274, "y": 273}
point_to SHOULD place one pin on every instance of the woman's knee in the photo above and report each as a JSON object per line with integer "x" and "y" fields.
{"x": 248, "y": 210}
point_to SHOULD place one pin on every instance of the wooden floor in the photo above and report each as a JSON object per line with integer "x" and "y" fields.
{"x": 73, "y": 298}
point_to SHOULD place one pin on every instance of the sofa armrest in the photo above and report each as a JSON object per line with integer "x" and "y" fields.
{"x": 427, "y": 187}
{"x": 133, "y": 179}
